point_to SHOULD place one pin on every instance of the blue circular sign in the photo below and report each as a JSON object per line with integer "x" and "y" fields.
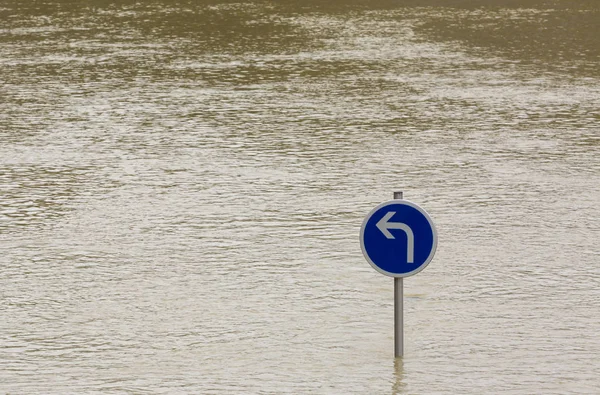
{"x": 398, "y": 238}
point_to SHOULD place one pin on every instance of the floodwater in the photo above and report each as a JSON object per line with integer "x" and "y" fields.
{"x": 182, "y": 185}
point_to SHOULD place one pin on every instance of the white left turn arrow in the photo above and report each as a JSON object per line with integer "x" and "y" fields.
{"x": 383, "y": 225}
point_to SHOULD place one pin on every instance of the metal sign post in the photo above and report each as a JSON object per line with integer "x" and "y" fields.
{"x": 398, "y": 308}
{"x": 398, "y": 239}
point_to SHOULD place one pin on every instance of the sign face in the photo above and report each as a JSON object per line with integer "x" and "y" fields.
{"x": 398, "y": 238}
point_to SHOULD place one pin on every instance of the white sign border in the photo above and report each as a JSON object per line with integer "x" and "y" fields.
{"x": 418, "y": 208}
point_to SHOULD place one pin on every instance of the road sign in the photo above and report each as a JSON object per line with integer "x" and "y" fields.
{"x": 398, "y": 238}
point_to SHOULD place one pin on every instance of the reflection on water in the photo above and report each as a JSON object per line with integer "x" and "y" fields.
{"x": 182, "y": 184}
{"x": 399, "y": 387}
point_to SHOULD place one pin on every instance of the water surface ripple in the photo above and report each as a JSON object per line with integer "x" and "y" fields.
{"x": 182, "y": 185}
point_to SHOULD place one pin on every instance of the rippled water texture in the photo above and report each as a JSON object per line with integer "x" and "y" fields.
{"x": 182, "y": 186}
